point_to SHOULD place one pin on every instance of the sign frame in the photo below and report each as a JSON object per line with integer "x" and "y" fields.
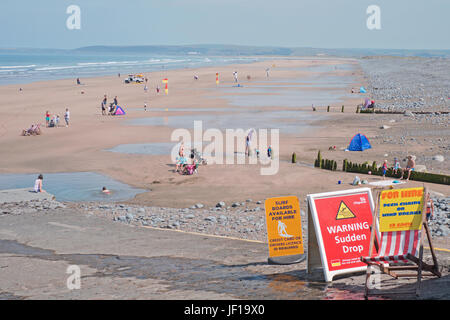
{"x": 317, "y": 244}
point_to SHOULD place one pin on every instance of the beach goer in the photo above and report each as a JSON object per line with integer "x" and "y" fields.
{"x": 267, "y": 72}
{"x": 54, "y": 121}
{"x": 47, "y": 118}
{"x": 384, "y": 168}
{"x": 410, "y": 165}
{"x": 104, "y": 190}
{"x": 247, "y": 146}
{"x": 115, "y": 101}
{"x": 67, "y": 117}
{"x": 269, "y": 152}
{"x": 235, "y": 75}
{"x": 78, "y": 81}
{"x": 195, "y": 77}
{"x": 38, "y": 184}
{"x": 104, "y": 102}
{"x": 57, "y": 121}
{"x": 181, "y": 162}
{"x": 396, "y": 167}
{"x": 118, "y": 74}
{"x": 157, "y": 89}
{"x": 181, "y": 149}
{"x": 145, "y": 107}
{"x": 145, "y": 88}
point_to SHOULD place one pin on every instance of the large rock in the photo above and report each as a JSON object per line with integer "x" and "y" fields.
{"x": 221, "y": 204}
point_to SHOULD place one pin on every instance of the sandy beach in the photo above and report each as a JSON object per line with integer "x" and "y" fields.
{"x": 82, "y": 145}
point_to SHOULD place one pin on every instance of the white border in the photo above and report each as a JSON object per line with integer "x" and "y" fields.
{"x": 311, "y": 197}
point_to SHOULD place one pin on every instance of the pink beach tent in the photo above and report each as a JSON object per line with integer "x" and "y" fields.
{"x": 119, "y": 111}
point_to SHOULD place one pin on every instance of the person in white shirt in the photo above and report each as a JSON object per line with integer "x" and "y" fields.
{"x": 67, "y": 117}
{"x": 38, "y": 184}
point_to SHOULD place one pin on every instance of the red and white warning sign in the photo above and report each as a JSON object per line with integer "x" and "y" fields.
{"x": 341, "y": 231}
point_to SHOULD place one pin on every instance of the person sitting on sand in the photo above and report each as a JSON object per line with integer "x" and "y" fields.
{"x": 38, "y": 184}
{"x": 181, "y": 162}
{"x": 410, "y": 165}
{"x": 112, "y": 109}
{"x": 396, "y": 167}
{"x": 104, "y": 190}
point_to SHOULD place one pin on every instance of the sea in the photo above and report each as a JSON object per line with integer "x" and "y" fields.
{"x": 30, "y": 65}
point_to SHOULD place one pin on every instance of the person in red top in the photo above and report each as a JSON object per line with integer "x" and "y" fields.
{"x": 47, "y": 118}
{"x": 384, "y": 168}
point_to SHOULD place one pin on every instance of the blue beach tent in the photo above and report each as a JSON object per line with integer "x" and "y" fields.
{"x": 359, "y": 143}
{"x": 362, "y": 90}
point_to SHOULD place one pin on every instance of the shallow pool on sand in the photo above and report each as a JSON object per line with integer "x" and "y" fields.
{"x": 73, "y": 186}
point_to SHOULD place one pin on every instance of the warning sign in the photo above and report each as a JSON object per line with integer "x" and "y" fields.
{"x": 342, "y": 223}
{"x": 401, "y": 209}
{"x": 284, "y": 226}
{"x": 344, "y": 212}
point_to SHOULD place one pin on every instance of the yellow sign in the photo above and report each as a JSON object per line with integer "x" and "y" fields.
{"x": 284, "y": 226}
{"x": 344, "y": 212}
{"x": 401, "y": 209}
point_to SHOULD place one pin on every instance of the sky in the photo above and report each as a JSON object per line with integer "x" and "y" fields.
{"x": 405, "y": 24}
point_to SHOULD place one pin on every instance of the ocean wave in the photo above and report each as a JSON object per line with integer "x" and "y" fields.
{"x": 57, "y": 68}
{"x": 17, "y": 67}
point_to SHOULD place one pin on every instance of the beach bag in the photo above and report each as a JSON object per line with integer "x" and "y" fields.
{"x": 190, "y": 169}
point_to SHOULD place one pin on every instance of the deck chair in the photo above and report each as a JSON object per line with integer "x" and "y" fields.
{"x": 401, "y": 251}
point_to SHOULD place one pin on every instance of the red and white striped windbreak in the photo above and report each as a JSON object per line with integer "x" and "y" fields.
{"x": 395, "y": 245}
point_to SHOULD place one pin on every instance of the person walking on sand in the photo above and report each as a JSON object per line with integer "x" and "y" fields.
{"x": 47, "y": 118}
{"x": 235, "y": 75}
{"x": 38, "y": 184}
{"x": 104, "y": 102}
{"x": 115, "y": 101}
{"x": 410, "y": 165}
{"x": 67, "y": 117}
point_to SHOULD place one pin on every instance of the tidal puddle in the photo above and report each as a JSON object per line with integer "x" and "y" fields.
{"x": 73, "y": 186}
{"x": 285, "y": 121}
{"x": 287, "y": 98}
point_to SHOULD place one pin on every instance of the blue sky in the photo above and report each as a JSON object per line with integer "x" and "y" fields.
{"x": 413, "y": 24}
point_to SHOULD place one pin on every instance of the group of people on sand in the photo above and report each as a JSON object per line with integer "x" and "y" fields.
{"x": 53, "y": 121}
{"x": 182, "y": 166}
{"x": 396, "y": 168}
{"x": 112, "y": 106}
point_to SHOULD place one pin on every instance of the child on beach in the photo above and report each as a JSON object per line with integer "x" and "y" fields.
{"x": 384, "y": 168}
{"x": 104, "y": 190}
{"x": 38, "y": 184}
{"x": 67, "y": 117}
{"x": 396, "y": 167}
{"x": 47, "y": 118}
